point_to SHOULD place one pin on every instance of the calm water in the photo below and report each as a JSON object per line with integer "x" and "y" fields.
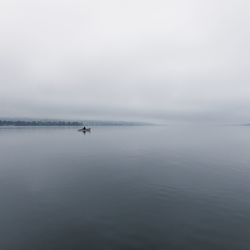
{"x": 175, "y": 187}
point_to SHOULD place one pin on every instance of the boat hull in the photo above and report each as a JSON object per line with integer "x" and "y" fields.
{"x": 84, "y": 130}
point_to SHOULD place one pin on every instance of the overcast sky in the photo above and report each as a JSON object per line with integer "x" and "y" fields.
{"x": 125, "y": 59}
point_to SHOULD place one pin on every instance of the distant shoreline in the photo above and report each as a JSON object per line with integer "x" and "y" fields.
{"x": 56, "y": 123}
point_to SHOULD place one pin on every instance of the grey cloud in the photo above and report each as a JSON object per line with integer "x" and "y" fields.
{"x": 169, "y": 60}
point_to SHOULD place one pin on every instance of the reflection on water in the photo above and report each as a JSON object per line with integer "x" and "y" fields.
{"x": 125, "y": 188}
{"x": 85, "y": 132}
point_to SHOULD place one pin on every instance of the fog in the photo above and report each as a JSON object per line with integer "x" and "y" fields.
{"x": 174, "y": 60}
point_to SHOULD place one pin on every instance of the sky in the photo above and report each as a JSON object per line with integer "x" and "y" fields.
{"x": 165, "y": 60}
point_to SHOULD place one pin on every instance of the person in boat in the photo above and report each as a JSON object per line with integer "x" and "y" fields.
{"x": 84, "y": 128}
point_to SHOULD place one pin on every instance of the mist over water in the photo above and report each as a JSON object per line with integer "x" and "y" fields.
{"x": 98, "y": 63}
{"x": 150, "y": 187}
{"x": 125, "y": 60}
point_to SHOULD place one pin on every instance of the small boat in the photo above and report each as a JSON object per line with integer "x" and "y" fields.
{"x": 84, "y": 129}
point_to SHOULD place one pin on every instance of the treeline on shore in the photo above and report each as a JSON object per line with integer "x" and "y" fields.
{"x": 5, "y": 122}
{"x": 39, "y": 123}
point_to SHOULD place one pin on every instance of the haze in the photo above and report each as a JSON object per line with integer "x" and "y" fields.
{"x": 142, "y": 60}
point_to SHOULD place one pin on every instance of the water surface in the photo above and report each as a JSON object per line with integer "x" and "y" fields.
{"x": 148, "y": 187}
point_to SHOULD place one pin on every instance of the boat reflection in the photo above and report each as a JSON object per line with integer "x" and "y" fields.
{"x": 85, "y": 130}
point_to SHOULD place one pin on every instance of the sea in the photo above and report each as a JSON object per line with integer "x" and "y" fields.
{"x": 125, "y": 187}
